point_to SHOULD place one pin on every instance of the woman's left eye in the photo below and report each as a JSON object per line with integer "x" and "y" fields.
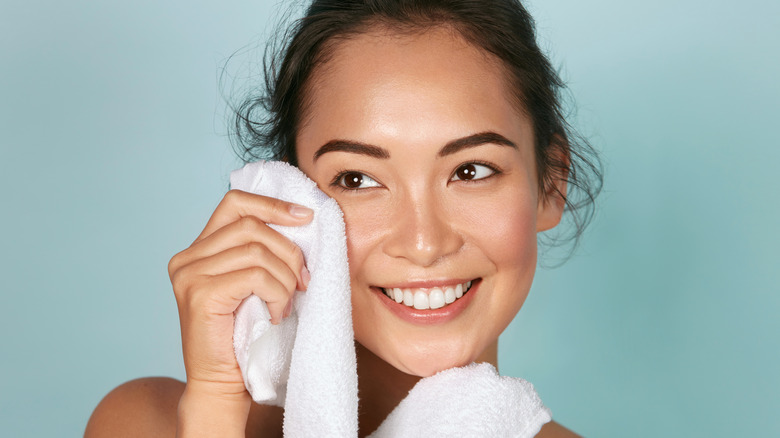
{"x": 352, "y": 180}
{"x": 472, "y": 171}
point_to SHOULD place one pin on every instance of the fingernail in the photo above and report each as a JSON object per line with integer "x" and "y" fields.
{"x": 300, "y": 211}
{"x": 305, "y": 277}
{"x": 288, "y": 308}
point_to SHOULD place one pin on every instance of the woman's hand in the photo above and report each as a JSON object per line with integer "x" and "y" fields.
{"x": 236, "y": 255}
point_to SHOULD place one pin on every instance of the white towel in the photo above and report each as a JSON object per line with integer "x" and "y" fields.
{"x": 472, "y": 401}
{"x": 315, "y": 344}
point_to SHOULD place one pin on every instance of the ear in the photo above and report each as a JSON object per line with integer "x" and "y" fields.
{"x": 552, "y": 197}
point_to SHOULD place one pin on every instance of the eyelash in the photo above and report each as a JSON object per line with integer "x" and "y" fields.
{"x": 337, "y": 180}
{"x": 493, "y": 168}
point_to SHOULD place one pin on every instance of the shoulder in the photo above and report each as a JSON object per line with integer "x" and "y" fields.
{"x": 555, "y": 430}
{"x": 149, "y": 406}
{"x": 141, "y": 407}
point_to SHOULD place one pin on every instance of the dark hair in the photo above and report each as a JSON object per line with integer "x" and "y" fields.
{"x": 266, "y": 123}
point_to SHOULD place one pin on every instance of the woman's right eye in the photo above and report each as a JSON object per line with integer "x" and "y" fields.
{"x": 351, "y": 180}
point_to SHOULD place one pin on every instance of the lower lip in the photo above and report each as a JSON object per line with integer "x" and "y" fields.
{"x": 429, "y": 316}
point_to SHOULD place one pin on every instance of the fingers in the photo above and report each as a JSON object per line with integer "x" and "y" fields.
{"x": 236, "y": 255}
{"x": 257, "y": 240}
{"x": 220, "y": 295}
{"x": 247, "y": 256}
{"x": 237, "y": 204}
{"x": 258, "y": 281}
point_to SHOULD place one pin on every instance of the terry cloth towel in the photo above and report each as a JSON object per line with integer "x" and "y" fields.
{"x": 307, "y": 363}
{"x": 472, "y": 401}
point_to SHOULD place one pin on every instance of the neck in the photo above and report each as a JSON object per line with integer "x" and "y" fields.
{"x": 381, "y": 387}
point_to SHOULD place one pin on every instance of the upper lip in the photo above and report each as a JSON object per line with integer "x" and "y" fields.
{"x": 426, "y": 284}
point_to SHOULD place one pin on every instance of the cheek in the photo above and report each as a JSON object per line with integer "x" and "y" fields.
{"x": 504, "y": 228}
{"x": 515, "y": 243}
{"x": 507, "y": 239}
{"x": 364, "y": 231}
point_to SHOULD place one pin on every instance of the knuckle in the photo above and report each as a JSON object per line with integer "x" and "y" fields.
{"x": 173, "y": 265}
{"x": 295, "y": 257}
{"x": 290, "y": 283}
{"x": 258, "y": 275}
{"x": 255, "y": 251}
{"x": 176, "y": 279}
{"x": 180, "y": 282}
{"x": 296, "y": 254}
{"x": 278, "y": 207}
{"x": 249, "y": 224}
{"x": 232, "y": 196}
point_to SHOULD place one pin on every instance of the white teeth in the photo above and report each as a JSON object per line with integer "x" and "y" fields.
{"x": 420, "y": 300}
{"x": 408, "y": 298}
{"x": 424, "y": 298}
{"x": 449, "y": 295}
{"x": 436, "y": 298}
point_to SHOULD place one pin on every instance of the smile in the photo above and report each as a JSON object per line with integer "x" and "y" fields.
{"x": 427, "y": 298}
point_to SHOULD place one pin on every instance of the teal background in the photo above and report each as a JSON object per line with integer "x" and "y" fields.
{"x": 665, "y": 322}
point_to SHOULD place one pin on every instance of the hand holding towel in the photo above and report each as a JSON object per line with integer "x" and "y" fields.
{"x": 307, "y": 363}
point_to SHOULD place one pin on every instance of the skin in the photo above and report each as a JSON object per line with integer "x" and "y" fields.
{"x": 410, "y": 221}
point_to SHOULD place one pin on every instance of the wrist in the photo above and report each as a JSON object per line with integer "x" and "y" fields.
{"x": 209, "y": 410}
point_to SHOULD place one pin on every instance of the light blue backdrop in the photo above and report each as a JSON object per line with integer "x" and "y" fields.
{"x": 114, "y": 153}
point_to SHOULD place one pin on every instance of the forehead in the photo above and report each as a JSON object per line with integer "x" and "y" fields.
{"x": 427, "y": 87}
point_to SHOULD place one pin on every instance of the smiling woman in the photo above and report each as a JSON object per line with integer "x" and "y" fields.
{"x": 432, "y": 109}
{"x": 436, "y": 127}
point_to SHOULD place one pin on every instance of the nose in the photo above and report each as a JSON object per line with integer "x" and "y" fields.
{"x": 423, "y": 231}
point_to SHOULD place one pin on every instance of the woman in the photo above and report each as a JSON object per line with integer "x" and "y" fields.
{"x": 436, "y": 126}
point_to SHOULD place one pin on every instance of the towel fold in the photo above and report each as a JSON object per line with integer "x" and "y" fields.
{"x": 472, "y": 401}
{"x": 307, "y": 363}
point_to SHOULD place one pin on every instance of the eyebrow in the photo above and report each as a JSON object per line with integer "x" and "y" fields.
{"x": 352, "y": 147}
{"x": 450, "y": 148}
{"x": 475, "y": 140}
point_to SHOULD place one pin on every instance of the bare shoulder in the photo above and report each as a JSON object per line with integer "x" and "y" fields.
{"x": 555, "y": 430}
{"x": 141, "y": 407}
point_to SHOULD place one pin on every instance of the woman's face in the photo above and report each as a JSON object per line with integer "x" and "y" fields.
{"x": 416, "y": 138}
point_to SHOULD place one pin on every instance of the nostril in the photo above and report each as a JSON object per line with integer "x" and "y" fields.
{"x": 424, "y": 247}
{"x": 422, "y": 232}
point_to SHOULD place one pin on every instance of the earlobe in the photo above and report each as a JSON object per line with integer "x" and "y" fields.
{"x": 552, "y": 200}
{"x": 551, "y": 206}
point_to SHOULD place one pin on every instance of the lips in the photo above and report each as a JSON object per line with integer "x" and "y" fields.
{"x": 429, "y": 297}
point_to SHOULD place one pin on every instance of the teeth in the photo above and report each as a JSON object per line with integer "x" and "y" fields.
{"x": 398, "y": 295}
{"x": 421, "y": 300}
{"x": 434, "y": 298}
{"x": 449, "y": 295}
{"x": 408, "y": 298}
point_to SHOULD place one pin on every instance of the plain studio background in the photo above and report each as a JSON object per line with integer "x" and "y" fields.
{"x": 665, "y": 323}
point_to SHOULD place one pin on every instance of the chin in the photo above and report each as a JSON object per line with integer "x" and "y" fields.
{"x": 427, "y": 360}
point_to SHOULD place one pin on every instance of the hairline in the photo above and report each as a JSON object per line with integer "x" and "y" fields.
{"x": 382, "y": 26}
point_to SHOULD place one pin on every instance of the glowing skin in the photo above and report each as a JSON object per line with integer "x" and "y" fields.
{"x": 413, "y": 222}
